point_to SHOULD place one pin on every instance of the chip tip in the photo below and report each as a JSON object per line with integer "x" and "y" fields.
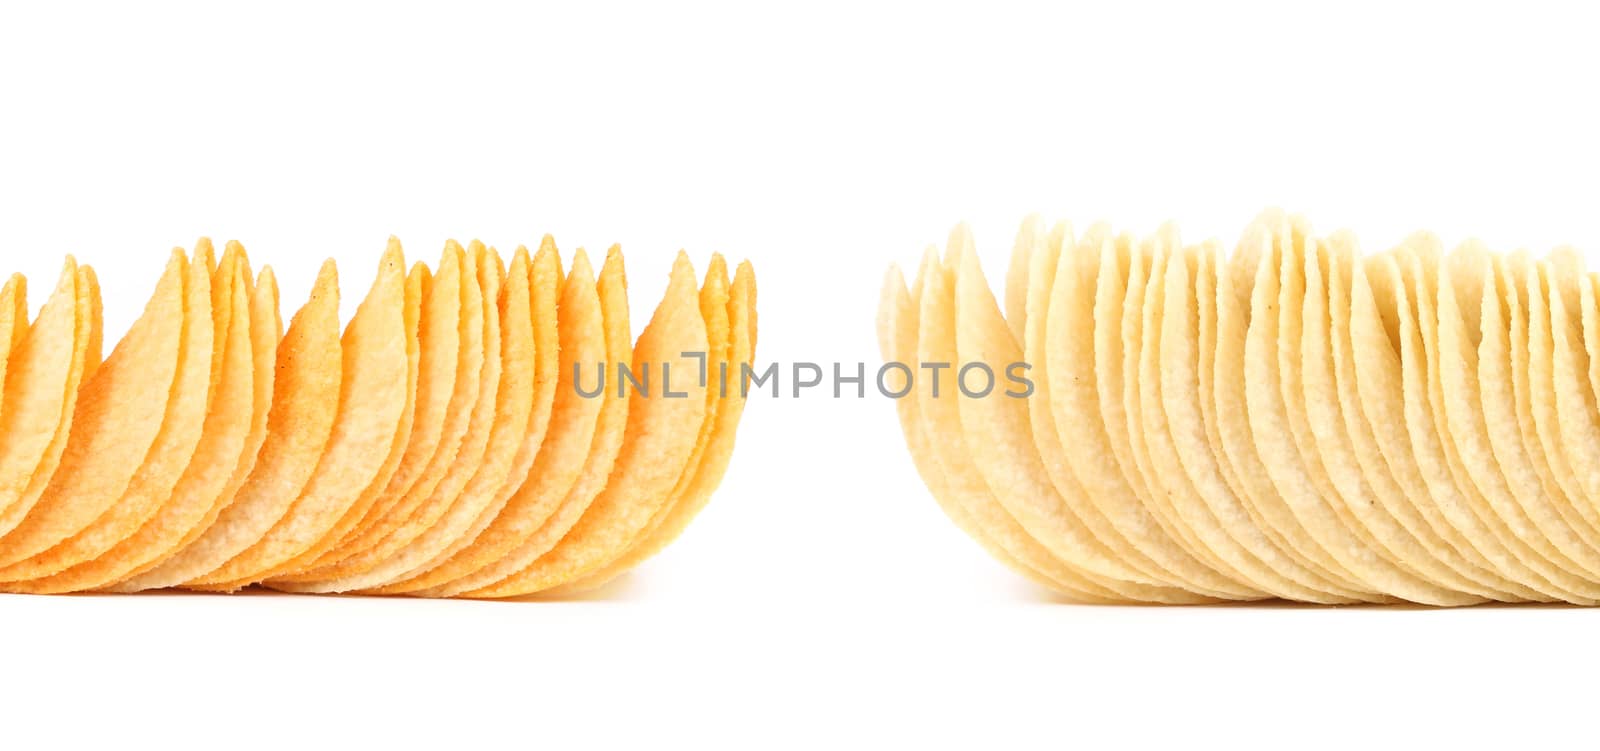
{"x": 548, "y": 241}
{"x": 581, "y": 265}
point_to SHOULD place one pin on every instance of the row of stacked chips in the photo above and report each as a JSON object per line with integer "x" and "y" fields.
{"x": 1294, "y": 420}
{"x": 439, "y": 447}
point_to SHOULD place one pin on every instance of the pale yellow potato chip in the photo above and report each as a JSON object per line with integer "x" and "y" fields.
{"x": 504, "y": 403}
{"x": 265, "y": 331}
{"x": 1370, "y": 492}
{"x": 940, "y": 413}
{"x": 1068, "y": 381}
{"x": 372, "y": 397}
{"x": 1526, "y": 296}
{"x": 116, "y": 420}
{"x": 1204, "y": 498}
{"x": 1235, "y": 323}
{"x": 561, "y": 430}
{"x": 999, "y": 438}
{"x": 897, "y": 337}
{"x": 168, "y": 457}
{"x": 1045, "y": 254}
{"x": 1018, "y": 276}
{"x": 305, "y": 400}
{"x": 411, "y": 314}
{"x": 1502, "y": 364}
{"x": 1378, "y": 346}
{"x": 1474, "y": 377}
{"x": 659, "y": 437}
{"x": 439, "y": 353}
{"x": 1275, "y": 401}
{"x": 1477, "y": 517}
{"x": 1572, "y": 370}
{"x": 1448, "y": 499}
{"x": 713, "y": 445}
{"x": 60, "y": 350}
{"x": 603, "y": 451}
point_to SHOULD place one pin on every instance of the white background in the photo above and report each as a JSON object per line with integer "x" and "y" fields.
{"x": 822, "y": 598}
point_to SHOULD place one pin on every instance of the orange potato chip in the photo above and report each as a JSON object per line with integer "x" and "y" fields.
{"x": 43, "y": 374}
{"x": 544, "y": 272}
{"x": 659, "y": 436}
{"x": 305, "y": 399}
{"x": 13, "y": 323}
{"x": 510, "y": 327}
{"x": 465, "y": 434}
{"x": 589, "y": 333}
{"x": 116, "y": 420}
{"x": 449, "y": 379}
{"x": 265, "y": 330}
{"x": 372, "y": 396}
{"x": 168, "y": 457}
{"x": 726, "y": 312}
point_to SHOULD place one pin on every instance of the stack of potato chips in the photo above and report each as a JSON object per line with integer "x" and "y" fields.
{"x": 440, "y": 446}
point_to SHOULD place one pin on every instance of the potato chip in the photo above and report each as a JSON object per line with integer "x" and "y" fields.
{"x": 1044, "y": 254}
{"x": 164, "y": 465}
{"x": 713, "y": 444}
{"x": 411, "y": 314}
{"x": 504, "y": 401}
{"x": 43, "y": 374}
{"x": 603, "y": 452}
{"x": 265, "y": 331}
{"x": 13, "y": 323}
{"x": 465, "y": 434}
{"x": 237, "y": 407}
{"x": 513, "y": 438}
{"x": 1471, "y": 369}
{"x": 116, "y": 420}
{"x": 372, "y": 396}
{"x": 305, "y": 400}
{"x": 660, "y": 434}
{"x": 941, "y": 415}
{"x": 1294, "y": 421}
{"x": 1461, "y": 505}
{"x": 561, "y": 450}
{"x": 998, "y": 434}
{"x": 1370, "y": 493}
{"x": 439, "y": 356}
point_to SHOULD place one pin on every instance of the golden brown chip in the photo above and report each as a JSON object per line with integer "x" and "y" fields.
{"x": 726, "y": 311}
{"x": 512, "y": 440}
{"x": 305, "y": 400}
{"x": 13, "y": 324}
{"x": 265, "y": 330}
{"x": 603, "y": 451}
{"x": 504, "y": 400}
{"x": 659, "y": 436}
{"x": 223, "y": 445}
{"x": 372, "y": 396}
{"x": 175, "y": 443}
{"x": 560, "y": 429}
{"x": 59, "y": 351}
{"x": 116, "y": 420}
{"x": 465, "y": 432}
